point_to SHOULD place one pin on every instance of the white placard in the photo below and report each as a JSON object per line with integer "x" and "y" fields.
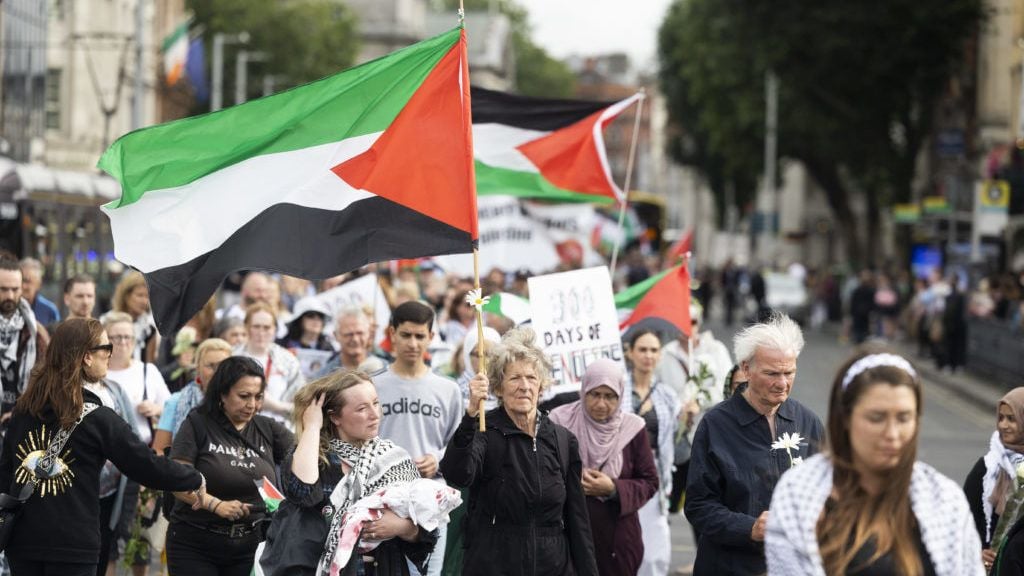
{"x": 359, "y": 292}
{"x": 576, "y": 323}
{"x": 518, "y": 234}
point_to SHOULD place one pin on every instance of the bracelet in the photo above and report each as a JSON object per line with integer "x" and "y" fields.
{"x": 211, "y": 506}
{"x": 219, "y": 502}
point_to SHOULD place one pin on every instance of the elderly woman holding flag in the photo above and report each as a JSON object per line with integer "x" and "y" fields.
{"x": 527, "y": 508}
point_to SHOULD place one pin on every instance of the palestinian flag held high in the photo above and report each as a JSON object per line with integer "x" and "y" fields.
{"x": 662, "y": 302}
{"x": 371, "y": 164}
{"x": 510, "y": 306}
{"x": 542, "y": 148}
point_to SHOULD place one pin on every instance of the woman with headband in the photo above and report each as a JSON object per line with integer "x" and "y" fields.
{"x": 867, "y": 506}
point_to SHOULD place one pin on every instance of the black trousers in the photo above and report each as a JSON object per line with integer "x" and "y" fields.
{"x": 192, "y": 551}
{"x": 25, "y": 567}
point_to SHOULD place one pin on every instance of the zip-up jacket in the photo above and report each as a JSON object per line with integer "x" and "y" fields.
{"x": 527, "y": 514}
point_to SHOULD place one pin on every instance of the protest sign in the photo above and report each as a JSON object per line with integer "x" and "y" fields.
{"x": 523, "y": 235}
{"x": 311, "y": 362}
{"x": 576, "y": 323}
{"x": 361, "y": 292}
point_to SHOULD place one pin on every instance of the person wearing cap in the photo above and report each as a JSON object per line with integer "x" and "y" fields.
{"x": 306, "y": 328}
{"x": 698, "y": 385}
{"x": 179, "y": 371}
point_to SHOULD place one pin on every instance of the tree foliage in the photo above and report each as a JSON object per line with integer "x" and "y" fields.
{"x": 537, "y": 73}
{"x": 302, "y": 39}
{"x": 859, "y": 83}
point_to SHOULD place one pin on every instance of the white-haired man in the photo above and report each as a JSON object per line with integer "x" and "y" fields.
{"x": 733, "y": 466}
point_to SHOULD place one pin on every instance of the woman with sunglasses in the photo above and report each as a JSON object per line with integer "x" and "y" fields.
{"x": 58, "y": 531}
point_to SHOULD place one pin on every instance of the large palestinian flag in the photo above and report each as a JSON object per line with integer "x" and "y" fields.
{"x": 543, "y": 148}
{"x": 371, "y": 164}
{"x": 662, "y": 303}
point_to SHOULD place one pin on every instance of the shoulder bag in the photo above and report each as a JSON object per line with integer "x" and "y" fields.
{"x": 12, "y": 503}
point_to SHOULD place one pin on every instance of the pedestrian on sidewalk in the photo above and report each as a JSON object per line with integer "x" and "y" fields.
{"x": 867, "y": 506}
{"x": 990, "y": 484}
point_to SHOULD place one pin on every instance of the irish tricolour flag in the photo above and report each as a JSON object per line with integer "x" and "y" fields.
{"x": 368, "y": 165}
{"x": 175, "y": 49}
{"x": 544, "y": 148}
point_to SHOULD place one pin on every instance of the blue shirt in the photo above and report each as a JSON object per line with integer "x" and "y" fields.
{"x": 733, "y": 472}
{"x": 46, "y": 312}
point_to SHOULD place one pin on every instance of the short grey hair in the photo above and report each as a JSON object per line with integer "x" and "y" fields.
{"x": 351, "y": 311}
{"x": 31, "y": 264}
{"x": 779, "y": 332}
{"x": 516, "y": 345}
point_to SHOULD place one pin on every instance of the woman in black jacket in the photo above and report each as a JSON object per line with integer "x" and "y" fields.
{"x": 338, "y": 460}
{"x": 527, "y": 511}
{"x": 58, "y": 531}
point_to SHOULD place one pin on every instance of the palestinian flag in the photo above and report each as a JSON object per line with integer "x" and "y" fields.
{"x": 175, "y": 49}
{"x": 681, "y": 247}
{"x": 368, "y": 165}
{"x": 662, "y": 302}
{"x": 510, "y": 306}
{"x": 272, "y": 497}
{"x": 542, "y": 148}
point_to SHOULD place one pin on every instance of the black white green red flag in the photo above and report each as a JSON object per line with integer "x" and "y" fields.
{"x": 368, "y": 165}
{"x": 661, "y": 302}
{"x": 542, "y": 148}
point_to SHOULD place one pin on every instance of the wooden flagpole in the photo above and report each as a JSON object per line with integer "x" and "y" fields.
{"x": 689, "y": 337}
{"x": 629, "y": 178}
{"x": 481, "y": 418}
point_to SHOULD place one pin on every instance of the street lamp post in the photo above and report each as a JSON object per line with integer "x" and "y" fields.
{"x": 242, "y": 72}
{"x": 220, "y": 39}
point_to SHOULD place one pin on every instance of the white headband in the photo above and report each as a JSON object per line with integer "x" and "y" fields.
{"x": 874, "y": 361}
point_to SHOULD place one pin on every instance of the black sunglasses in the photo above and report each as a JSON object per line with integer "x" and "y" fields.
{"x": 108, "y": 347}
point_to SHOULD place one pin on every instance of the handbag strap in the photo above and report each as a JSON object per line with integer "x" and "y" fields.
{"x": 59, "y": 440}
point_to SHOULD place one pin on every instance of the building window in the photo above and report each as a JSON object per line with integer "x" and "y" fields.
{"x": 53, "y": 98}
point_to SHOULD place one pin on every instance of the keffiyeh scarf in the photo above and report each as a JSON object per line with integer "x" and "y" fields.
{"x": 999, "y": 459}
{"x": 374, "y": 465}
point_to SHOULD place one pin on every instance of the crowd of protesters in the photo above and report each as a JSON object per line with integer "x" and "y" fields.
{"x": 392, "y": 413}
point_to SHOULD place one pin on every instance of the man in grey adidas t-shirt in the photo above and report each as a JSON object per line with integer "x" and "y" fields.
{"x": 420, "y": 409}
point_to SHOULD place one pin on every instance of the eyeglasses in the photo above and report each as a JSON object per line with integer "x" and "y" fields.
{"x": 108, "y": 347}
{"x": 121, "y": 338}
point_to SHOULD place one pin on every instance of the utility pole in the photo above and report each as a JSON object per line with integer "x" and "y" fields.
{"x": 220, "y": 39}
{"x": 242, "y": 72}
{"x": 139, "y": 87}
{"x": 769, "y": 204}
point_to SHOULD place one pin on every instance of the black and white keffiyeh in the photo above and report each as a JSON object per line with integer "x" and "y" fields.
{"x": 938, "y": 503}
{"x": 374, "y": 465}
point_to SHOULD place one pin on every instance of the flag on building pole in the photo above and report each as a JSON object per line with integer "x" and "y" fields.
{"x": 662, "y": 302}
{"x": 175, "y": 49}
{"x": 544, "y": 148}
{"x": 368, "y": 165}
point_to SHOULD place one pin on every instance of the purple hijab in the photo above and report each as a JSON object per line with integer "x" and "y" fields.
{"x": 601, "y": 443}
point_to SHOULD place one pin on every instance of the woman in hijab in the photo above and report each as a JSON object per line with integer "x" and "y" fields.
{"x": 990, "y": 483}
{"x": 619, "y": 475}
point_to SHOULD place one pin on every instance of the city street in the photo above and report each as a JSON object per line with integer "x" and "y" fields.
{"x": 954, "y": 433}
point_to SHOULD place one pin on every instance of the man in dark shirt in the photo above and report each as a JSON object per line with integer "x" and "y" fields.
{"x": 734, "y": 466}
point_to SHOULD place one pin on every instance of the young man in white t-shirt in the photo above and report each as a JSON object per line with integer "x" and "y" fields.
{"x": 421, "y": 410}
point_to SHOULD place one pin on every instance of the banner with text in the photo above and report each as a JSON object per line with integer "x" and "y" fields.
{"x": 363, "y": 292}
{"x": 519, "y": 234}
{"x": 576, "y": 323}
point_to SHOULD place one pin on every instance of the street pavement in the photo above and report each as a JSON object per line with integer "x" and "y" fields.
{"x": 954, "y": 433}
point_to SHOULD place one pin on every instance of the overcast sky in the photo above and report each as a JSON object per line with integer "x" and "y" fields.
{"x": 587, "y": 27}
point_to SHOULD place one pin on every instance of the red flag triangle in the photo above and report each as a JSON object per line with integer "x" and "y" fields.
{"x": 424, "y": 159}
{"x": 669, "y": 300}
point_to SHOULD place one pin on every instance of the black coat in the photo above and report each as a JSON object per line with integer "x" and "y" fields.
{"x": 973, "y": 489}
{"x": 733, "y": 472}
{"x": 60, "y": 522}
{"x": 527, "y": 516}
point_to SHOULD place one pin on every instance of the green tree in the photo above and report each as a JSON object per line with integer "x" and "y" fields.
{"x": 303, "y": 39}
{"x": 537, "y": 73}
{"x": 859, "y": 83}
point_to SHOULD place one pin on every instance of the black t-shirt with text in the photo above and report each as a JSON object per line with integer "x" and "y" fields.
{"x": 232, "y": 460}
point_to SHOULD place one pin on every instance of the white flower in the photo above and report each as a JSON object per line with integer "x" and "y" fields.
{"x": 1020, "y": 472}
{"x": 797, "y": 461}
{"x": 476, "y": 299}
{"x": 788, "y": 442}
